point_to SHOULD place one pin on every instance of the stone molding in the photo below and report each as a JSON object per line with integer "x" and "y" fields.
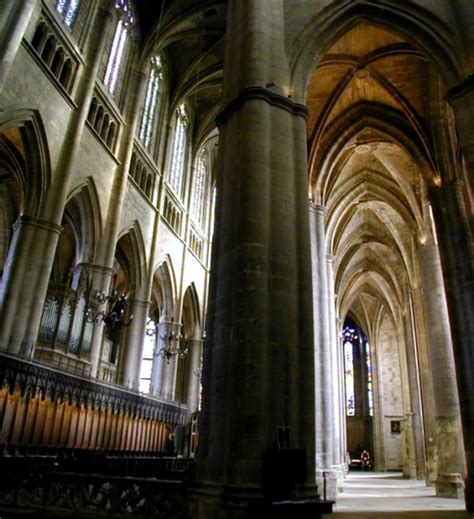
{"x": 261, "y": 93}
{"x": 317, "y": 208}
{"x": 94, "y": 268}
{"x": 37, "y": 222}
{"x": 458, "y": 91}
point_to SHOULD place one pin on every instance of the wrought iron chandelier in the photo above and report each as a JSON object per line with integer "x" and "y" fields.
{"x": 174, "y": 345}
{"x": 114, "y": 315}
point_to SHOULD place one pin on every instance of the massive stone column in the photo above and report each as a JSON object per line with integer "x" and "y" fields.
{"x": 338, "y": 446}
{"x": 426, "y": 380}
{"x": 415, "y": 422}
{"x": 461, "y": 99}
{"x": 448, "y": 424}
{"x": 455, "y": 246}
{"x": 342, "y": 396}
{"x": 323, "y": 355}
{"x": 16, "y": 15}
{"x": 24, "y": 285}
{"x": 193, "y": 375}
{"x": 101, "y": 281}
{"x": 132, "y": 343}
{"x": 258, "y": 370}
{"x": 26, "y": 281}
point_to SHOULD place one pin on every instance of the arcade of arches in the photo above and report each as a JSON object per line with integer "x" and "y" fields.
{"x": 290, "y": 181}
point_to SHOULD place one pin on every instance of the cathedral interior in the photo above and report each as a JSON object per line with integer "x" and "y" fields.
{"x": 236, "y": 253}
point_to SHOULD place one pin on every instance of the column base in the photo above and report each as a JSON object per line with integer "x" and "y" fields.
{"x": 450, "y": 485}
{"x": 340, "y": 473}
{"x": 208, "y": 501}
{"x": 327, "y": 482}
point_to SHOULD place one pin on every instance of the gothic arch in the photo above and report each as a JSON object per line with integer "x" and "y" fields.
{"x": 12, "y": 192}
{"x": 375, "y": 284}
{"x": 83, "y": 209}
{"x": 191, "y": 313}
{"x": 33, "y": 146}
{"x": 130, "y": 252}
{"x": 359, "y": 189}
{"x": 164, "y": 289}
{"x": 421, "y": 27}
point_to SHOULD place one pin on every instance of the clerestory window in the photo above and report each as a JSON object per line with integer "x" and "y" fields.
{"x": 117, "y": 50}
{"x": 176, "y": 169}
{"x": 68, "y": 10}
{"x": 152, "y": 104}
{"x": 200, "y": 180}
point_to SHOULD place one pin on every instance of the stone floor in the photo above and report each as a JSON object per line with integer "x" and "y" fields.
{"x": 389, "y": 495}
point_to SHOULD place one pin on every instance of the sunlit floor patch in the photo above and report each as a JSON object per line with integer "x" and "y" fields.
{"x": 371, "y": 495}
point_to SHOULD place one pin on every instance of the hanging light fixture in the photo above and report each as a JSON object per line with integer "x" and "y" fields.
{"x": 173, "y": 343}
{"x": 114, "y": 315}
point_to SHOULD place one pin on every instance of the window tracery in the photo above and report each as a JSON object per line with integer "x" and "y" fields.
{"x": 152, "y": 102}
{"x": 175, "y": 172}
{"x": 117, "y": 50}
{"x": 201, "y": 175}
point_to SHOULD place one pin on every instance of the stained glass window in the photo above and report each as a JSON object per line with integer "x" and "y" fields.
{"x": 151, "y": 107}
{"x": 370, "y": 395}
{"x": 357, "y": 348}
{"x": 348, "y": 335}
{"x": 118, "y": 45}
{"x": 200, "y": 185}
{"x": 68, "y": 10}
{"x": 175, "y": 173}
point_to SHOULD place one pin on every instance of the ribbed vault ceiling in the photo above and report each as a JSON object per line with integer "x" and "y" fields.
{"x": 368, "y": 166}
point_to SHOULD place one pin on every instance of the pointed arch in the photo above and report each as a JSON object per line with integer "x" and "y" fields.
{"x": 191, "y": 313}
{"x": 164, "y": 288}
{"x": 365, "y": 184}
{"x": 83, "y": 210}
{"x": 375, "y": 284}
{"x": 33, "y": 146}
{"x": 428, "y": 33}
{"x": 131, "y": 254}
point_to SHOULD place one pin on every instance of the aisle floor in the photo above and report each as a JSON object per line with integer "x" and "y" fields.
{"x": 390, "y": 496}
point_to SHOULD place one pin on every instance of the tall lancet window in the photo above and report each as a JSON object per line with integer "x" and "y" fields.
{"x": 175, "y": 172}
{"x": 117, "y": 50}
{"x": 200, "y": 180}
{"x": 357, "y": 372}
{"x": 370, "y": 389}
{"x": 68, "y": 10}
{"x": 151, "y": 107}
{"x": 348, "y": 336}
